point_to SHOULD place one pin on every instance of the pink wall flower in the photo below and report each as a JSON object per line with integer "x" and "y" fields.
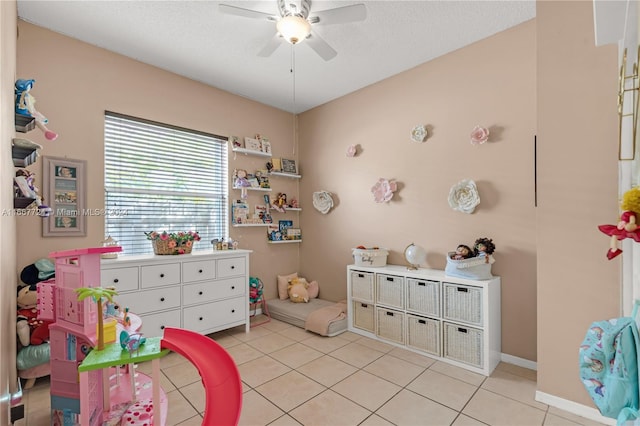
{"x": 351, "y": 151}
{"x": 479, "y": 135}
{"x": 383, "y": 190}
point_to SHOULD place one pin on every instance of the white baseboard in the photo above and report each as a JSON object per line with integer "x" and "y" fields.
{"x": 520, "y": 362}
{"x": 573, "y": 407}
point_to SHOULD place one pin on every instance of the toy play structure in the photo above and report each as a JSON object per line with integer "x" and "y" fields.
{"x": 95, "y": 387}
{"x": 220, "y": 376}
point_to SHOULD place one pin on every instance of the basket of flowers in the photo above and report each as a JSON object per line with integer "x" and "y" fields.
{"x": 172, "y": 243}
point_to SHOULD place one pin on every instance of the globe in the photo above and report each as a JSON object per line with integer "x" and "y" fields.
{"x": 415, "y": 255}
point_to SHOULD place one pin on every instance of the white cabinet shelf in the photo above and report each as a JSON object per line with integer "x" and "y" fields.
{"x": 455, "y": 320}
{"x": 287, "y": 209}
{"x": 250, "y": 188}
{"x": 251, "y": 152}
{"x": 240, "y": 225}
{"x": 284, "y": 241}
{"x": 203, "y": 291}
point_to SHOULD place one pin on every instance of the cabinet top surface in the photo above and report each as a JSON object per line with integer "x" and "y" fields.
{"x": 421, "y": 273}
{"x": 193, "y": 256}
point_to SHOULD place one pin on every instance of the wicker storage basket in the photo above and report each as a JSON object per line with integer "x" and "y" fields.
{"x": 462, "y": 303}
{"x": 162, "y": 247}
{"x": 390, "y": 324}
{"x": 475, "y": 268}
{"x": 362, "y": 286}
{"x": 423, "y": 297}
{"x": 390, "y": 291}
{"x": 463, "y": 344}
{"x": 363, "y": 316}
{"x": 423, "y": 334}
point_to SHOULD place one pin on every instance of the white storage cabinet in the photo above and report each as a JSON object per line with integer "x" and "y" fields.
{"x": 456, "y": 320}
{"x": 202, "y": 291}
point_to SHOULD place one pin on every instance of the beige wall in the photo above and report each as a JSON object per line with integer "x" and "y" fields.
{"x": 551, "y": 257}
{"x": 77, "y": 82}
{"x": 8, "y": 276}
{"x": 577, "y": 190}
{"x": 491, "y": 83}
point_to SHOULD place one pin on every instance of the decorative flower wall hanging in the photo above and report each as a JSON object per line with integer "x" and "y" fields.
{"x": 383, "y": 190}
{"x": 322, "y": 201}
{"x": 419, "y": 133}
{"x": 464, "y": 197}
{"x": 352, "y": 151}
{"x": 479, "y": 135}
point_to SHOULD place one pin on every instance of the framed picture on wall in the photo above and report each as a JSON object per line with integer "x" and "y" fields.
{"x": 289, "y": 166}
{"x": 64, "y": 183}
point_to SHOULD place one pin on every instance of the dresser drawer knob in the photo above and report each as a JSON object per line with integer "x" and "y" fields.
{"x": 162, "y": 327}
{"x": 116, "y": 280}
{"x": 162, "y": 299}
{"x": 233, "y": 287}
{"x": 233, "y": 267}
{"x": 200, "y": 271}
{"x": 201, "y": 318}
{"x": 200, "y": 293}
{"x": 233, "y": 310}
{"x": 161, "y": 275}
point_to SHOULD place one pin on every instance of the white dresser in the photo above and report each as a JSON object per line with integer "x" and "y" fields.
{"x": 455, "y": 320}
{"x": 202, "y": 291}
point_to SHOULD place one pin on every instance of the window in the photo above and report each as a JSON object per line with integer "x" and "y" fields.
{"x": 162, "y": 178}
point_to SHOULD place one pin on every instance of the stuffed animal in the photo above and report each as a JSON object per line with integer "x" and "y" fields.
{"x": 627, "y": 227}
{"x": 297, "y": 290}
{"x": 30, "y": 330}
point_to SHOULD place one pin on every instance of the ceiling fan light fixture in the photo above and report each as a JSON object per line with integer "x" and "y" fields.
{"x": 293, "y": 28}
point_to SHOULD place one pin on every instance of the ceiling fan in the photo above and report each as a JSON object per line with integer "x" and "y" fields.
{"x": 294, "y": 23}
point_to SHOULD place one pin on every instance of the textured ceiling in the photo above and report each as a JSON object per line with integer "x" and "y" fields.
{"x": 195, "y": 40}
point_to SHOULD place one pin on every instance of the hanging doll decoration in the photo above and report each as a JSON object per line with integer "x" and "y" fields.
{"x": 241, "y": 182}
{"x": 627, "y": 227}
{"x": 25, "y": 105}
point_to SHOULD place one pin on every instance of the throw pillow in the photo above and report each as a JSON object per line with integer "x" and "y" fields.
{"x": 313, "y": 289}
{"x": 283, "y": 285}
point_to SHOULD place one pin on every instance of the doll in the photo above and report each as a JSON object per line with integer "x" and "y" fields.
{"x": 627, "y": 227}
{"x": 241, "y": 182}
{"x": 484, "y": 247}
{"x": 462, "y": 252}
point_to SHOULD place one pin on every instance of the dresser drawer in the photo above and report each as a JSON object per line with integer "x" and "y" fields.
{"x": 390, "y": 291}
{"x": 216, "y": 314}
{"x": 362, "y": 286}
{"x": 142, "y": 302}
{"x": 231, "y": 267}
{"x": 123, "y": 279}
{"x": 462, "y": 303}
{"x": 198, "y": 271}
{"x": 213, "y": 290}
{"x": 159, "y": 275}
{"x": 154, "y": 324}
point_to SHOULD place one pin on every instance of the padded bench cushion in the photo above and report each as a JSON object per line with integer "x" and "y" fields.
{"x": 297, "y": 313}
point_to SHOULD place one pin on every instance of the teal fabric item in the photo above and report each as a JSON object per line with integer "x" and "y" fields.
{"x": 609, "y": 366}
{"x": 46, "y": 269}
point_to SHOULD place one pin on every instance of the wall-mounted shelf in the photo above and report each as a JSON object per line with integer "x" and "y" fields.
{"x": 287, "y": 175}
{"x": 25, "y": 123}
{"x": 251, "y": 188}
{"x": 284, "y": 241}
{"x": 22, "y": 202}
{"x": 293, "y": 209}
{"x": 240, "y": 225}
{"x": 251, "y": 152}
{"x": 24, "y": 152}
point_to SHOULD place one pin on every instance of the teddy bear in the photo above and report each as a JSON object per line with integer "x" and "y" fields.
{"x": 30, "y": 330}
{"x": 297, "y": 290}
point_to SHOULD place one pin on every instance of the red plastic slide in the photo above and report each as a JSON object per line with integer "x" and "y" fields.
{"x": 220, "y": 375}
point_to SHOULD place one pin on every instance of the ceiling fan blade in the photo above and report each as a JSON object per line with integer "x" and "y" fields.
{"x": 271, "y": 46}
{"x": 245, "y": 13}
{"x": 321, "y": 47}
{"x": 340, "y": 15}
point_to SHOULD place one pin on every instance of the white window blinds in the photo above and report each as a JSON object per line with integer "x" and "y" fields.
{"x": 162, "y": 178}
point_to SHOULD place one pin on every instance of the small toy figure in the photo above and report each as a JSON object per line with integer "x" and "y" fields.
{"x": 242, "y": 182}
{"x": 25, "y": 105}
{"x": 281, "y": 202}
{"x": 293, "y": 203}
{"x": 484, "y": 247}
{"x": 131, "y": 342}
{"x": 627, "y": 227}
{"x": 462, "y": 252}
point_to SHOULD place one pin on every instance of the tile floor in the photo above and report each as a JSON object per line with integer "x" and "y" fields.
{"x": 293, "y": 377}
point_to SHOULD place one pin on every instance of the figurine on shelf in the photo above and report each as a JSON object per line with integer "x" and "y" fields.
{"x": 484, "y": 247}
{"x": 25, "y": 106}
{"x": 241, "y": 182}
{"x": 281, "y": 202}
{"x": 293, "y": 203}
